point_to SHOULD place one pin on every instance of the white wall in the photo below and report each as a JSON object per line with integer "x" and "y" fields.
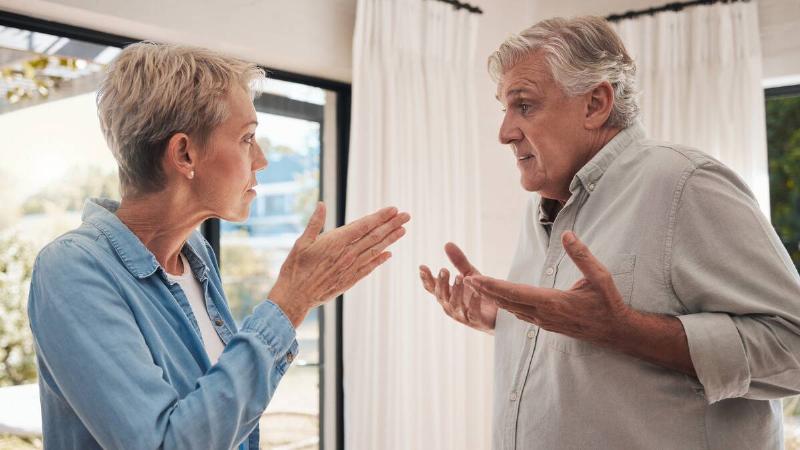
{"x": 502, "y": 198}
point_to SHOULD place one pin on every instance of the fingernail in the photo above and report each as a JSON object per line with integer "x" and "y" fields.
{"x": 569, "y": 237}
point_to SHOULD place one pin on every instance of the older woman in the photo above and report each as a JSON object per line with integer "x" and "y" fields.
{"x": 136, "y": 345}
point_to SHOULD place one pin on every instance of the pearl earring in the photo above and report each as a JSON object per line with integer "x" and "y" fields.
{"x": 191, "y": 174}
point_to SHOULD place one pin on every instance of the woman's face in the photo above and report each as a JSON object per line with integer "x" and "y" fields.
{"x": 225, "y": 177}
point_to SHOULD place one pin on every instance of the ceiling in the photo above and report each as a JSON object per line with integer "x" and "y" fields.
{"x": 313, "y": 37}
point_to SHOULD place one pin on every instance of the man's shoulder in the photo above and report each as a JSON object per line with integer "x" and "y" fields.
{"x": 654, "y": 158}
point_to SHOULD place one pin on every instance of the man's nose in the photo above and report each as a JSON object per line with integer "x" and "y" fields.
{"x": 509, "y": 132}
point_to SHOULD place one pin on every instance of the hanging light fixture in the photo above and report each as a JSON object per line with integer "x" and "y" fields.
{"x": 40, "y": 76}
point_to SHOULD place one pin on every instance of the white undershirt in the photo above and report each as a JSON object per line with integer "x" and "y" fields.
{"x": 194, "y": 293}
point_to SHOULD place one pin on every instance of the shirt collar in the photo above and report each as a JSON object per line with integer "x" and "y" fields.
{"x": 589, "y": 175}
{"x": 137, "y": 258}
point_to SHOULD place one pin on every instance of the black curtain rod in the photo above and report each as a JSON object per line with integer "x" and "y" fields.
{"x": 458, "y": 5}
{"x": 677, "y": 6}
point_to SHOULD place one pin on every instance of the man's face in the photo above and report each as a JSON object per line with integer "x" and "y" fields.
{"x": 544, "y": 128}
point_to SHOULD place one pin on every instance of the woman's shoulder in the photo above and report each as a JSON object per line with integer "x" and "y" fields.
{"x": 78, "y": 247}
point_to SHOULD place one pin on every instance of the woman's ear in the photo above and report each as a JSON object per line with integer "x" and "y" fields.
{"x": 180, "y": 156}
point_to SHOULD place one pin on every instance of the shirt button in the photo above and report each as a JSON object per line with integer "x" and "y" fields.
{"x": 513, "y": 396}
{"x": 289, "y": 357}
{"x": 550, "y": 271}
{"x": 591, "y": 186}
{"x": 218, "y": 322}
{"x": 531, "y": 334}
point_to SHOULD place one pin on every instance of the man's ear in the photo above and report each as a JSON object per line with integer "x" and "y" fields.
{"x": 600, "y": 102}
{"x": 180, "y": 156}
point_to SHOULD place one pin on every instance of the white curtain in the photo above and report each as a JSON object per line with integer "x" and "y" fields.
{"x": 413, "y": 378}
{"x": 699, "y": 71}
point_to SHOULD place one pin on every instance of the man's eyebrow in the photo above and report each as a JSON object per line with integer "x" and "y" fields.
{"x": 252, "y": 122}
{"x": 516, "y": 92}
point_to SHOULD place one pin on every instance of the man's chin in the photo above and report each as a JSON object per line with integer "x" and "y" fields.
{"x": 530, "y": 185}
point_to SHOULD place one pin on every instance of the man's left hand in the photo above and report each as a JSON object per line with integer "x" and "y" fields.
{"x": 590, "y": 310}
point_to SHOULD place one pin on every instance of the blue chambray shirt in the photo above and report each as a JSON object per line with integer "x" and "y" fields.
{"x": 121, "y": 359}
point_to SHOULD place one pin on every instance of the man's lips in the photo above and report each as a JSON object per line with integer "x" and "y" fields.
{"x": 524, "y": 157}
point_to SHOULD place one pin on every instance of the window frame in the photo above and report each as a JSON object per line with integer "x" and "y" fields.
{"x": 211, "y": 227}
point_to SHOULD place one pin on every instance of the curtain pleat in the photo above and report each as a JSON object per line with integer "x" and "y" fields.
{"x": 699, "y": 72}
{"x": 413, "y": 378}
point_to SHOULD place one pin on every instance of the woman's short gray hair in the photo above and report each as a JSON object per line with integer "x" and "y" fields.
{"x": 152, "y": 91}
{"x": 581, "y": 53}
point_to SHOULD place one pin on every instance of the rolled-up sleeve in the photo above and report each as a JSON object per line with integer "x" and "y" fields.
{"x": 739, "y": 287}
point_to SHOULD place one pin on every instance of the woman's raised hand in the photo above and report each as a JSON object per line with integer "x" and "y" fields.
{"x": 322, "y": 266}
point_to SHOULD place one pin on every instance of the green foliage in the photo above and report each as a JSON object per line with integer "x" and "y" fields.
{"x": 783, "y": 144}
{"x": 17, "y": 360}
{"x": 306, "y": 200}
{"x": 246, "y": 278}
{"x": 10, "y": 442}
{"x": 69, "y": 193}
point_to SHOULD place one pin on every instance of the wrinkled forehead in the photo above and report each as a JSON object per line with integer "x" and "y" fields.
{"x": 529, "y": 74}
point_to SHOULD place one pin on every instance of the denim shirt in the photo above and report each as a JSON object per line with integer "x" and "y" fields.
{"x": 120, "y": 355}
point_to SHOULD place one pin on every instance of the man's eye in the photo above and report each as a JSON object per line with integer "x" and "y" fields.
{"x": 524, "y": 108}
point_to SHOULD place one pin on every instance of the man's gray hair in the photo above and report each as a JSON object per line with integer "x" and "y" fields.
{"x": 581, "y": 53}
{"x": 152, "y": 91}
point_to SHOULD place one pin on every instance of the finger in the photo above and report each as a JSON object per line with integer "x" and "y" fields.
{"x": 457, "y": 290}
{"x": 427, "y": 279}
{"x": 474, "y": 306}
{"x": 366, "y": 269}
{"x": 315, "y": 224}
{"x": 441, "y": 285}
{"x": 376, "y": 242}
{"x": 506, "y": 290}
{"x": 357, "y": 229}
{"x": 591, "y": 267}
{"x": 459, "y": 259}
{"x": 444, "y": 280}
{"x": 379, "y": 234}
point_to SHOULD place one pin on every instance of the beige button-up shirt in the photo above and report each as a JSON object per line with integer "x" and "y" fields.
{"x": 682, "y": 235}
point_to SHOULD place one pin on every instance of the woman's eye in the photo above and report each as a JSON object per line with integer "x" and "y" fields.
{"x": 249, "y": 139}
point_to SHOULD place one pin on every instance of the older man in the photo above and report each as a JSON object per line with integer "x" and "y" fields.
{"x": 674, "y": 321}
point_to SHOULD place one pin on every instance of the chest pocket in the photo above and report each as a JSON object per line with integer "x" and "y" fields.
{"x": 621, "y": 267}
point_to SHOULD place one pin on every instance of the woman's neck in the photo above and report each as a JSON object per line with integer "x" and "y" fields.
{"x": 163, "y": 223}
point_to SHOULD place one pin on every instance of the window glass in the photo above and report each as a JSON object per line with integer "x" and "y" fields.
{"x": 252, "y": 252}
{"x": 783, "y": 148}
